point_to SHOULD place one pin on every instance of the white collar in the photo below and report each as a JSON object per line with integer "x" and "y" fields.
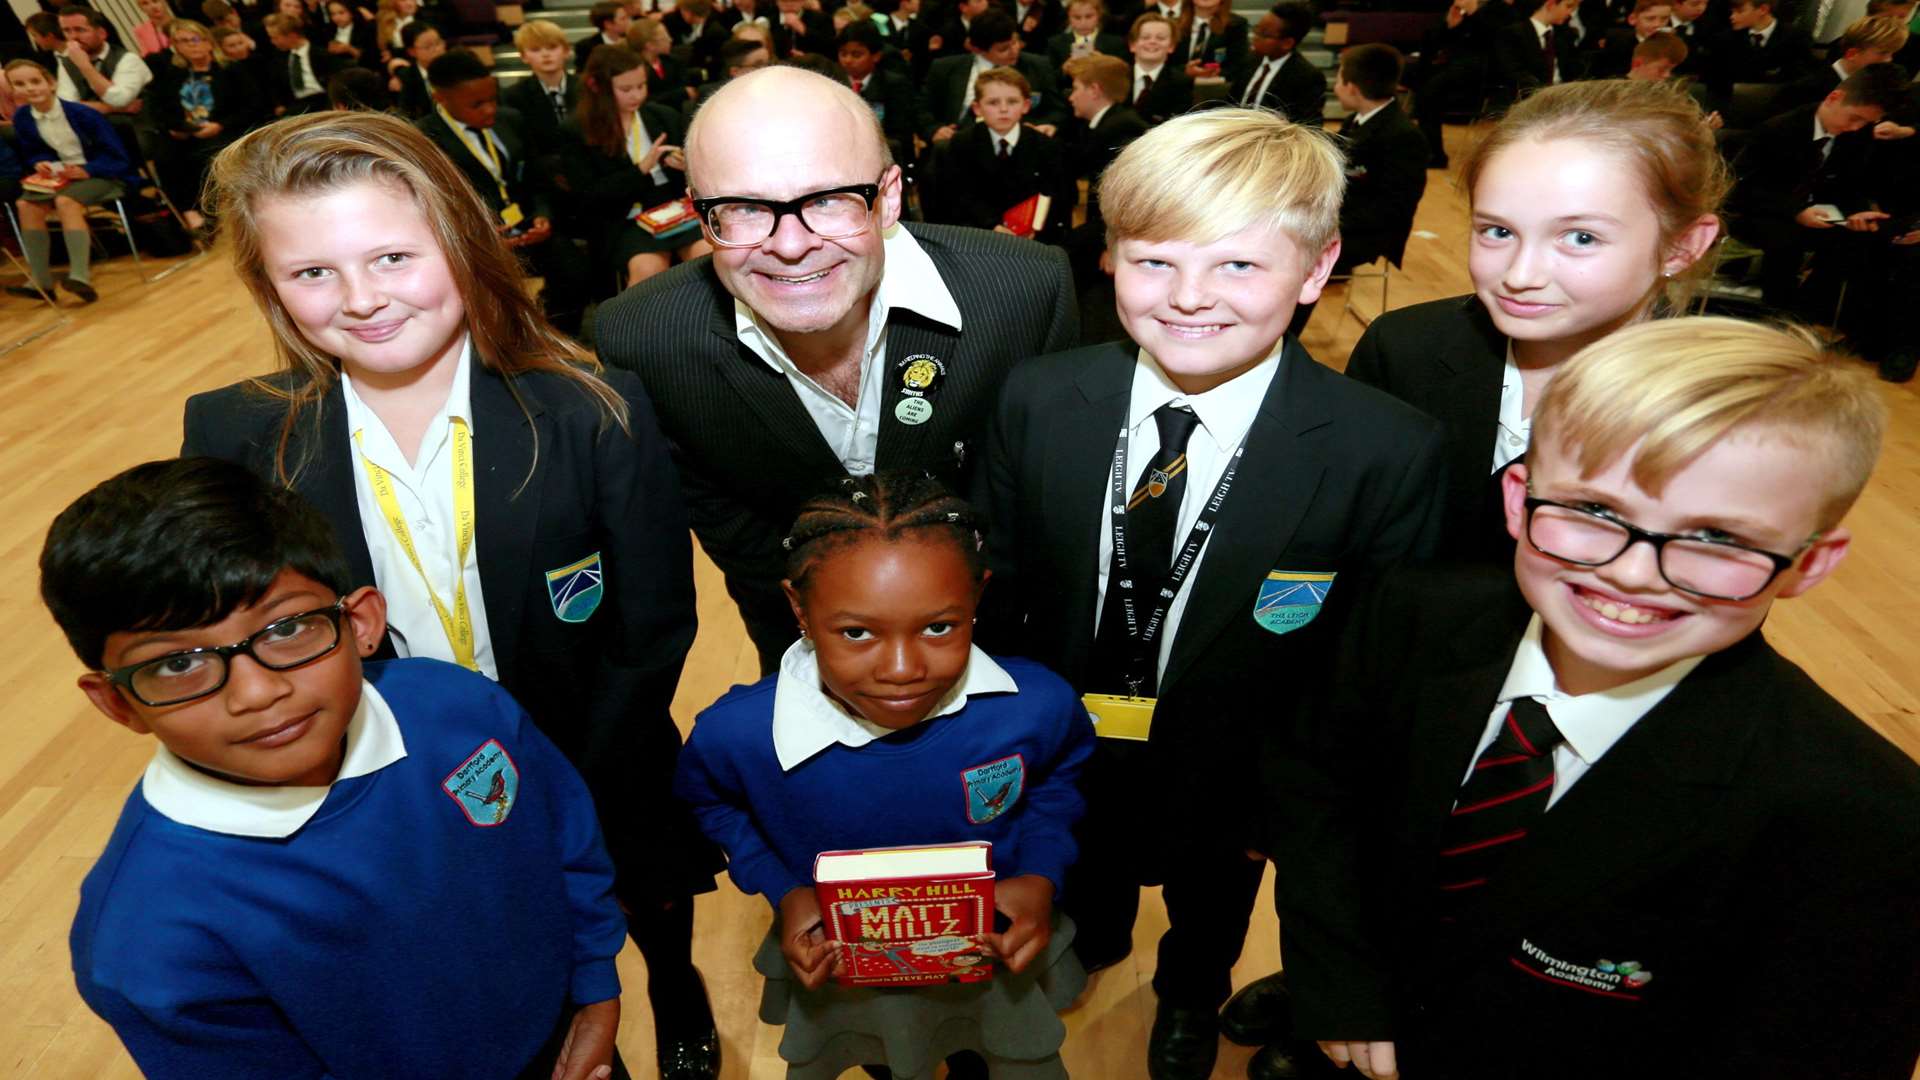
{"x": 204, "y": 801}
{"x": 910, "y": 281}
{"x": 981, "y": 63}
{"x": 1840, "y": 70}
{"x": 1095, "y": 122}
{"x": 1226, "y": 411}
{"x": 300, "y": 50}
{"x": 1766, "y": 33}
{"x": 1591, "y": 723}
{"x": 1540, "y": 29}
{"x": 53, "y": 110}
{"x": 1140, "y": 69}
{"x": 1011, "y": 138}
{"x": 379, "y": 441}
{"x": 1273, "y": 62}
{"x": 807, "y": 721}
{"x": 1361, "y": 118}
{"x": 1819, "y": 129}
{"x": 545, "y": 89}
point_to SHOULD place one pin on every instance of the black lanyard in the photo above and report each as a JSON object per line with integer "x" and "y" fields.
{"x": 1144, "y": 632}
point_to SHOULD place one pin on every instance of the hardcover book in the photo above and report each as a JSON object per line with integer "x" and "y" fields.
{"x": 908, "y": 916}
{"x": 1029, "y": 217}
{"x": 667, "y": 219}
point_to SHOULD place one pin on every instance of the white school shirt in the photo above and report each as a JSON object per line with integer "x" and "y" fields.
{"x": 57, "y": 132}
{"x": 1095, "y": 122}
{"x": 477, "y": 140}
{"x": 193, "y": 797}
{"x": 424, "y": 491}
{"x": 1589, "y": 723}
{"x": 1140, "y": 77}
{"x": 1541, "y": 31}
{"x": 1263, "y": 77}
{"x": 309, "y": 86}
{"x": 807, "y": 721}
{"x": 1011, "y": 138}
{"x": 130, "y": 76}
{"x": 980, "y": 64}
{"x": 1226, "y": 413}
{"x": 910, "y": 281}
{"x": 1515, "y": 429}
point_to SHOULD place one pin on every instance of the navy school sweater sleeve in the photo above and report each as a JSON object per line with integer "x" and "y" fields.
{"x": 403, "y": 931}
{"x": 1004, "y": 769}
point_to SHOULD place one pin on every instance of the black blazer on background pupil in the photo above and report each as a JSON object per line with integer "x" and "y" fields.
{"x": 599, "y": 688}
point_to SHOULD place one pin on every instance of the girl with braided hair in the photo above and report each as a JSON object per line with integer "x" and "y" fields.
{"x": 885, "y": 726}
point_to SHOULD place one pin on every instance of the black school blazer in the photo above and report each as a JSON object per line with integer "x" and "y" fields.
{"x": 1751, "y": 844}
{"x": 1336, "y": 477}
{"x": 600, "y": 688}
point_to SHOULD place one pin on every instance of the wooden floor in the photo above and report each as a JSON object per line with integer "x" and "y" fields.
{"x": 106, "y": 391}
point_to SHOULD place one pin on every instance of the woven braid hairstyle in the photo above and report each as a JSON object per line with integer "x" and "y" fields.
{"x": 890, "y": 506}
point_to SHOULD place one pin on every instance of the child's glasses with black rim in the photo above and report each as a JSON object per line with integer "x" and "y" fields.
{"x": 1707, "y": 568}
{"x": 281, "y": 645}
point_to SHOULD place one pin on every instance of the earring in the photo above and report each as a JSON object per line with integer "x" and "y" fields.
{"x": 803, "y": 632}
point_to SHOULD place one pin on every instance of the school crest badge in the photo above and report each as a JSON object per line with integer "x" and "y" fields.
{"x": 576, "y": 590}
{"x": 1157, "y": 481}
{"x": 485, "y": 785}
{"x": 993, "y": 788}
{"x": 1289, "y": 599}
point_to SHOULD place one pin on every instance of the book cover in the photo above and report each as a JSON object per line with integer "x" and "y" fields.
{"x": 1029, "y": 217}
{"x": 41, "y": 182}
{"x": 909, "y": 916}
{"x": 667, "y": 219}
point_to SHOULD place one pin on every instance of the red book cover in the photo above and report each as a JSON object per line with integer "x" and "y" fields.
{"x": 1029, "y": 217}
{"x": 43, "y": 182}
{"x": 667, "y": 218}
{"x": 908, "y": 916}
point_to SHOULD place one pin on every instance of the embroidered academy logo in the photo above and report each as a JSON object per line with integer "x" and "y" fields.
{"x": 1289, "y": 599}
{"x": 575, "y": 591}
{"x": 993, "y": 788}
{"x": 485, "y": 785}
{"x": 1621, "y": 981}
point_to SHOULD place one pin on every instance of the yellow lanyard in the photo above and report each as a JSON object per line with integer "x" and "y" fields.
{"x": 457, "y": 624}
{"x": 493, "y": 156}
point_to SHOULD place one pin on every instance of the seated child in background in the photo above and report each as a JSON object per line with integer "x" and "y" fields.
{"x": 1622, "y": 825}
{"x": 407, "y": 77}
{"x": 1655, "y": 59}
{"x": 997, "y": 164}
{"x": 871, "y": 735}
{"x": 330, "y": 868}
{"x": 1085, "y": 35}
{"x": 70, "y": 142}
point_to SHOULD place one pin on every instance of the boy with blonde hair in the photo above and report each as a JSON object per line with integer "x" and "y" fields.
{"x": 1170, "y": 515}
{"x": 1622, "y": 827}
{"x": 546, "y": 100}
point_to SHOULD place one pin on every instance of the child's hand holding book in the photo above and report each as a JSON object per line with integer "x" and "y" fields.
{"x": 1027, "y": 902}
{"x": 803, "y": 940}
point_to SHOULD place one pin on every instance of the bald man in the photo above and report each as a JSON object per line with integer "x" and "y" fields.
{"x": 824, "y": 338}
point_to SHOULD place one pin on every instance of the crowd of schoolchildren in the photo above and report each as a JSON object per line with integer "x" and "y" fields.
{"x": 1465, "y": 642}
{"x": 1001, "y": 116}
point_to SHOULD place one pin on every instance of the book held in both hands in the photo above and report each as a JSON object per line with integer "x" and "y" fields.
{"x": 43, "y": 182}
{"x": 908, "y": 916}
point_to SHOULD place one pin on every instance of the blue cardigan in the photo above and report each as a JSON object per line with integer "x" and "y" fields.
{"x": 106, "y": 155}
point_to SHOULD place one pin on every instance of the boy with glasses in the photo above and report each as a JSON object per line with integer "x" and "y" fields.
{"x": 329, "y": 868}
{"x": 1621, "y": 826}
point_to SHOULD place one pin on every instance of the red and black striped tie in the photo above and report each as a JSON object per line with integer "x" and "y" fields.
{"x": 1503, "y": 797}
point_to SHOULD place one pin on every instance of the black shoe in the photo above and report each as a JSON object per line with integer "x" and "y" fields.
{"x": 1184, "y": 1043}
{"x": 28, "y": 292}
{"x": 1260, "y": 1013}
{"x": 80, "y": 289}
{"x": 1294, "y": 1061}
{"x": 689, "y": 1057}
{"x": 1898, "y": 369}
{"x": 1097, "y": 956}
{"x": 966, "y": 1065}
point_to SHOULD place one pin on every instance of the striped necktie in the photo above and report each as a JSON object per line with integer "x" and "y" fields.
{"x": 1504, "y": 796}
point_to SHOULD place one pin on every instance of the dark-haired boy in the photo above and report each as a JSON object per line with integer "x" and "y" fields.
{"x": 737, "y": 57}
{"x": 1757, "y": 47}
{"x": 610, "y": 23}
{"x": 1274, "y": 77}
{"x": 862, "y": 49}
{"x": 1537, "y": 51}
{"x": 1386, "y": 163}
{"x": 488, "y": 143}
{"x": 329, "y": 868}
{"x": 1613, "y": 824}
{"x": 1806, "y": 185}
{"x": 946, "y": 102}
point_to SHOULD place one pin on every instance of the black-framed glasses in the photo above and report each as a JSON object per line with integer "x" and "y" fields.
{"x": 195, "y": 673}
{"x": 833, "y": 214}
{"x": 1713, "y": 569}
